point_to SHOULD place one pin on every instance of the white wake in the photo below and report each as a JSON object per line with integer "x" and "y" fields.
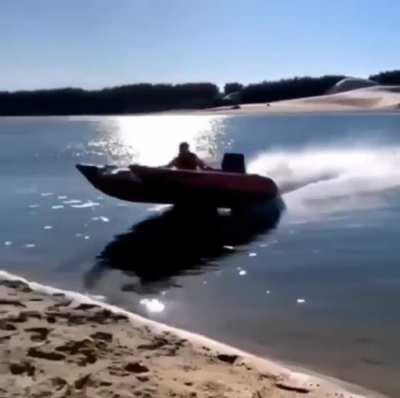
{"x": 328, "y": 180}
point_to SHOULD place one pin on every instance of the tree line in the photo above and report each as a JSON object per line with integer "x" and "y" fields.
{"x": 136, "y": 98}
{"x": 297, "y": 87}
{"x": 387, "y": 78}
{"x": 133, "y": 98}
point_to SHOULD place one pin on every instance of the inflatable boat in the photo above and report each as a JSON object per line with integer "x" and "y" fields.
{"x": 229, "y": 187}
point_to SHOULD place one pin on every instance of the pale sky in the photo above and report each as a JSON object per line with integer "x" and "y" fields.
{"x": 98, "y": 43}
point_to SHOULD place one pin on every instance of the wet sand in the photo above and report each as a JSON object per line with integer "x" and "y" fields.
{"x": 63, "y": 344}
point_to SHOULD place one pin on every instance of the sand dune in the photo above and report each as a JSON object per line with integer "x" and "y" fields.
{"x": 55, "y": 344}
{"x": 351, "y": 83}
{"x": 376, "y": 98}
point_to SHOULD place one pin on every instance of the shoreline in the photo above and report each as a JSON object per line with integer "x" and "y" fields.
{"x": 225, "y": 112}
{"x": 376, "y": 99}
{"x": 172, "y": 362}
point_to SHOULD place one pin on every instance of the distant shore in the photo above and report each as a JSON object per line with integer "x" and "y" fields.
{"x": 63, "y": 344}
{"x": 370, "y": 99}
{"x": 376, "y": 99}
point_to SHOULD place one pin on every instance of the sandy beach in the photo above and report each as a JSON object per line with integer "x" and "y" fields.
{"x": 62, "y": 344}
{"x": 371, "y": 99}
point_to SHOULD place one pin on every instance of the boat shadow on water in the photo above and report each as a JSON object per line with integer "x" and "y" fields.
{"x": 180, "y": 241}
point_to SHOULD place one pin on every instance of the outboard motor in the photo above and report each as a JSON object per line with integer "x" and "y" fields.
{"x": 233, "y": 163}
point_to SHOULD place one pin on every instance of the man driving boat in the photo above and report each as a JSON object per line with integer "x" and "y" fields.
{"x": 187, "y": 160}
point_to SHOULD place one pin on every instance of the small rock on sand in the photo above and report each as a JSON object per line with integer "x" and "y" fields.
{"x": 136, "y": 367}
{"x": 36, "y": 352}
{"x": 227, "y": 358}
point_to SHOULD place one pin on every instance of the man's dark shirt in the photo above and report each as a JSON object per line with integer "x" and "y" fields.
{"x": 187, "y": 161}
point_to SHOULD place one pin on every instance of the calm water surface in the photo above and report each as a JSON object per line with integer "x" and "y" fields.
{"x": 317, "y": 285}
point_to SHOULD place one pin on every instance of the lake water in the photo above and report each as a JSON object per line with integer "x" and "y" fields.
{"x": 317, "y": 285}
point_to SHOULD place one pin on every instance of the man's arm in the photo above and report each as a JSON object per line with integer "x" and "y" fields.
{"x": 201, "y": 165}
{"x": 172, "y": 163}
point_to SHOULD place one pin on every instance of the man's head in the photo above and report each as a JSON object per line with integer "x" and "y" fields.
{"x": 183, "y": 147}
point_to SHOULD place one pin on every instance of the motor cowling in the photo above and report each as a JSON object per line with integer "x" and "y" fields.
{"x": 233, "y": 163}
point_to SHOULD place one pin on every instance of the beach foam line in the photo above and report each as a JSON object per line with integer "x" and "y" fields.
{"x": 311, "y": 383}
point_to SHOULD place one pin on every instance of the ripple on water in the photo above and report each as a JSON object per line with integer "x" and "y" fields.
{"x": 46, "y": 194}
{"x": 268, "y": 244}
{"x": 101, "y": 218}
{"x": 47, "y": 227}
{"x": 71, "y": 201}
{"x": 34, "y": 206}
{"x": 8, "y": 243}
{"x": 29, "y": 245}
{"x": 87, "y": 204}
{"x": 57, "y": 207}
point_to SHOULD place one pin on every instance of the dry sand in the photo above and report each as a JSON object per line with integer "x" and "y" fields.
{"x": 55, "y": 344}
{"x": 377, "y": 98}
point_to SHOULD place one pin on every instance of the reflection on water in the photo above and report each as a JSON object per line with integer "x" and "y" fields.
{"x": 180, "y": 241}
{"x": 153, "y": 140}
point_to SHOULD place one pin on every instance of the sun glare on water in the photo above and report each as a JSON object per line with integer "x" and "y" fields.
{"x": 153, "y": 140}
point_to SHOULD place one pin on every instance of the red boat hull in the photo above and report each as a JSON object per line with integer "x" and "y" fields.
{"x": 169, "y": 186}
